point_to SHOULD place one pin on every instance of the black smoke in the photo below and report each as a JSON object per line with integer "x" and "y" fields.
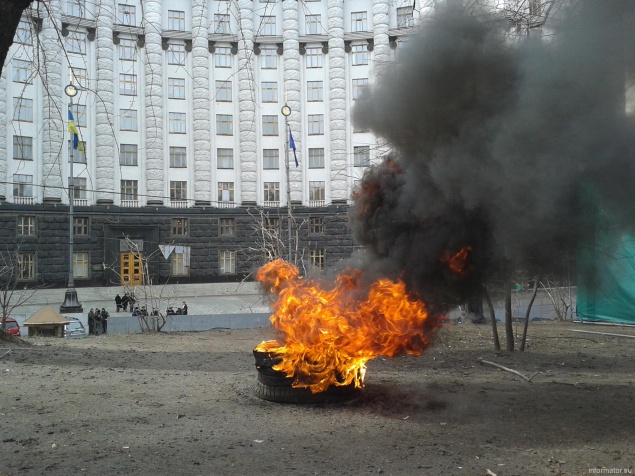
{"x": 510, "y": 147}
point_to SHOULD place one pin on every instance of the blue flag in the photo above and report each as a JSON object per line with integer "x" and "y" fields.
{"x": 72, "y": 128}
{"x": 292, "y": 145}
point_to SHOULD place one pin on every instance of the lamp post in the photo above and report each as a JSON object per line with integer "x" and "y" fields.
{"x": 71, "y": 304}
{"x": 286, "y": 112}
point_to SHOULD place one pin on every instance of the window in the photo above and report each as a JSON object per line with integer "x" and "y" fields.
{"x": 316, "y": 124}
{"x": 226, "y": 191}
{"x": 314, "y": 91}
{"x": 360, "y": 54}
{"x": 361, "y": 156}
{"x": 128, "y": 154}
{"x": 270, "y": 159}
{"x": 127, "y": 49}
{"x": 178, "y": 157}
{"x": 128, "y": 84}
{"x": 227, "y": 226}
{"x": 128, "y": 120}
{"x": 76, "y": 8}
{"x": 312, "y": 24}
{"x": 178, "y": 190}
{"x": 179, "y": 265}
{"x": 176, "y": 20}
{"x": 79, "y": 114}
{"x": 223, "y": 57}
{"x": 404, "y": 17}
{"x": 358, "y": 87}
{"x": 269, "y": 125}
{"x": 78, "y": 76}
{"x": 224, "y": 124}
{"x": 223, "y": 91}
{"x": 267, "y": 25}
{"x": 317, "y": 191}
{"x": 221, "y": 23}
{"x": 272, "y": 224}
{"x": 127, "y": 14}
{"x": 269, "y": 91}
{"x": 272, "y": 192}
{"x": 176, "y": 122}
{"x": 79, "y": 188}
{"x": 22, "y": 185}
{"x": 316, "y": 158}
{"x": 176, "y": 88}
{"x": 317, "y": 258}
{"x": 26, "y": 261}
{"x": 76, "y": 42}
{"x": 313, "y": 57}
{"x": 23, "y": 109}
{"x": 225, "y": 158}
{"x": 26, "y": 225}
{"x": 22, "y": 148}
{"x": 80, "y": 265}
{"x": 359, "y": 21}
{"x": 80, "y": 225}
{"x": 268, "y": 58}
{"x": 316, "y": 225}
{"x": 176, "y": 54}
{"x": 23, "y": 33}
{"x": 78, "y": 156}
{"x": 535, "y": 8}
{"x": 180, "y": 226}
{"x": 129, "y": 190}
{"x": 22, "y": 71}
{"x": 227, "y": 262}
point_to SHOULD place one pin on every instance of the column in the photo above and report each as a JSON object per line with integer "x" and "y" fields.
{"x": 337, "y": 103}
{"x": 292, "y": 65}
{"x": 381, "y": 27}
{"x": 152, "y": 126}
{"x": 106, "y": 152}
{"x": 3, "y": 134}
{"x": 246, "y": 104}
{"x": 54, "y": 107}
{"x": 201, "y": 105}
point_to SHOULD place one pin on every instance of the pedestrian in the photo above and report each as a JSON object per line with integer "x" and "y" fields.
{"x": 97, "y": 321}
{"x": 91, "y": 322}
{"x": 184, "y": 309}
{"x": 104, "y": 320}
{"x": 118, "y": 302}
{"x": 124, "y": 301}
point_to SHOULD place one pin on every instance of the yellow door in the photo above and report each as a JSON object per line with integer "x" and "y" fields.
{"x": 131, "y": 269}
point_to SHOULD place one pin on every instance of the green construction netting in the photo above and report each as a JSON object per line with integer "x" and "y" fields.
{"x": 606, "y": 279}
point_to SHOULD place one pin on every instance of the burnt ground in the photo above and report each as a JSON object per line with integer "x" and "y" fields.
{"x": 184, "y": 404}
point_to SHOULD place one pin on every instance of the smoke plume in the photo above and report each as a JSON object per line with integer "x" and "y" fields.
{"x": 508, "y": 147}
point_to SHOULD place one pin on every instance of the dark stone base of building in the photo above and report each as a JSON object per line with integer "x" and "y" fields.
{"x": 103, "y": 233}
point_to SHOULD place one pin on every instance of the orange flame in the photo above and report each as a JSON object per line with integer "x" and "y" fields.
{"x": 457, "y": 262}
{"x": 326, "y": 336}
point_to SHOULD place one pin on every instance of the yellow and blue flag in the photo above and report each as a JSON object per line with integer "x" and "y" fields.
{"x": 72, "y": 128}
{"x": 292, "y": 145}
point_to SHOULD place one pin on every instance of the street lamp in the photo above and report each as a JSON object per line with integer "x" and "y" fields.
{"x": 286, "y": 112}
{"x": 71, "y": 304}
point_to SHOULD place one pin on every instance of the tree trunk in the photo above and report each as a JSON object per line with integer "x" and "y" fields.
{"x": 509, "y": 329}
{"x": 11, "y": 12}
{"x": 492, "y": 315}
{"x": 531, "y": 303}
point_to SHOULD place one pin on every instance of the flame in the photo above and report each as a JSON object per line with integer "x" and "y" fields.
{"x": 325, "y": 336}
{"x": 458, "y": 262}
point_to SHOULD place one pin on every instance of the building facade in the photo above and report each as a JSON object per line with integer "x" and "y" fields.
{"x": 183, "y": 149}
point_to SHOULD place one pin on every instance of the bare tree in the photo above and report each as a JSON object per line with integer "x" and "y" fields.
{"x": 14, "y": 290}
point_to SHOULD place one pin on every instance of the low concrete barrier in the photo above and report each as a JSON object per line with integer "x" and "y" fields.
{"x": 178, "y": 323}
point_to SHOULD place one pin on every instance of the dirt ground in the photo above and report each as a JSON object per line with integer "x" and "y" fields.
{"x": 184, "y": 404}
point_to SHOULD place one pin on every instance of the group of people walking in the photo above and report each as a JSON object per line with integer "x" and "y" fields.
{"x": 97, "y": 321}
{"x": 128, "y": 299}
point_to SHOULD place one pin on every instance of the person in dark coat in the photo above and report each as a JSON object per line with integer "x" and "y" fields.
{"x": 118, "y": 302}
{"x": 91, "y": 322}
{"x": 97, "y": 322}
{"x": 124, "y": 301}
{"x": 104, "y": 320}
{"x": 184, "y": 309}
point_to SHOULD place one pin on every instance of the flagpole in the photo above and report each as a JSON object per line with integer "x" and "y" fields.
{"x": 286, "y": 111}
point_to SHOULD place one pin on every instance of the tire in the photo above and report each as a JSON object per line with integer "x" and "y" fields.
{"x": 288, "y": 394}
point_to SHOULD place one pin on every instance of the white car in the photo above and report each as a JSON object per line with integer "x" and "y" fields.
{"x": 75, "y": 329}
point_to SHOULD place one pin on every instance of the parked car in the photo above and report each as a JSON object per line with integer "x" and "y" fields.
{"x": 75, "y": 329}
{"x": 11, "y": 327}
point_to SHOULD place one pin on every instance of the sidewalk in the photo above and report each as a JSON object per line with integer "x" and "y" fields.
{"x": 202, "y": 299}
